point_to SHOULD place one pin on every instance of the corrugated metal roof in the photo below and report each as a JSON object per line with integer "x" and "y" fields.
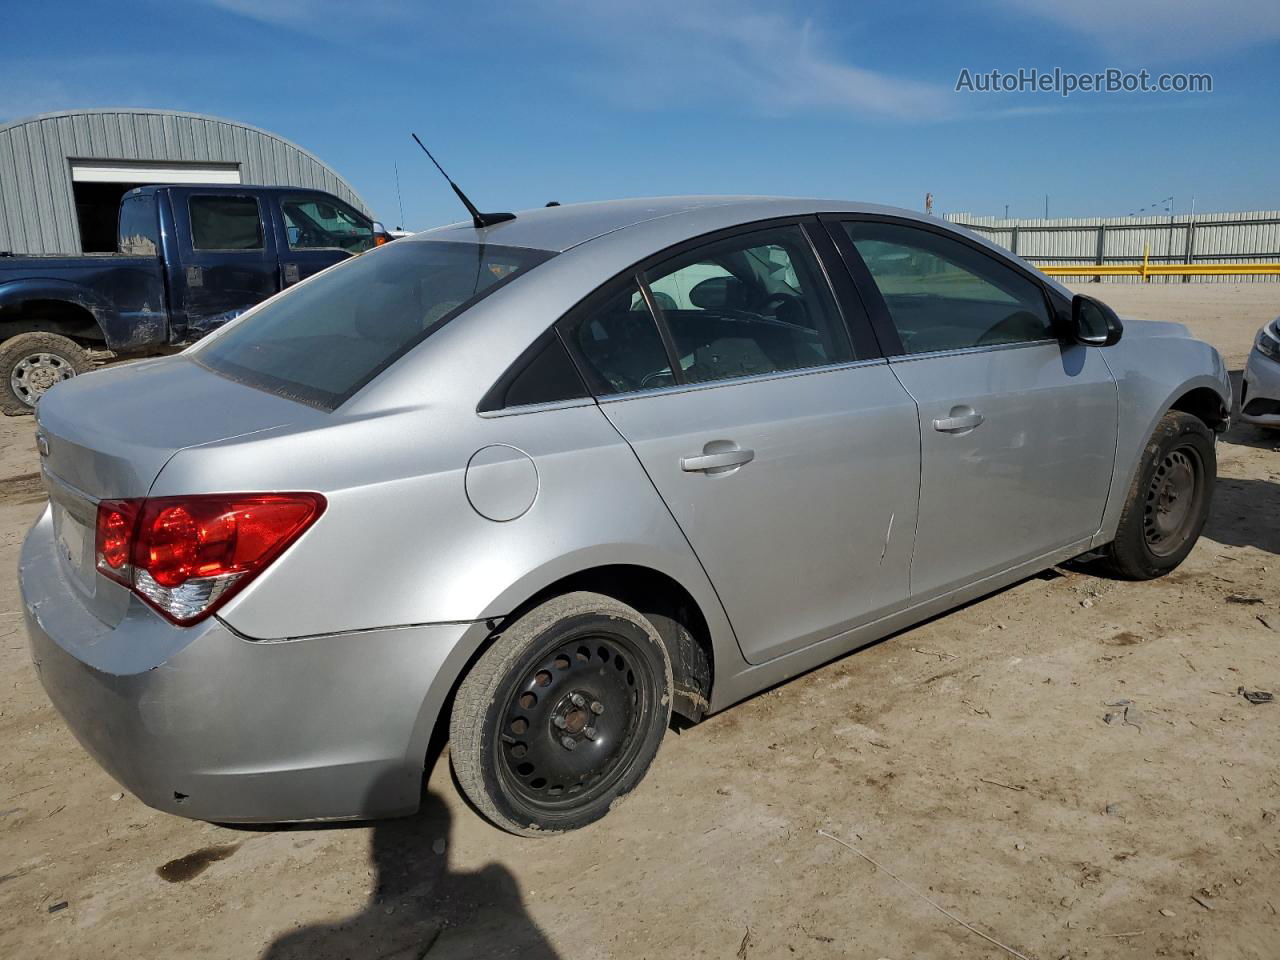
{"x": 37, "y": 206}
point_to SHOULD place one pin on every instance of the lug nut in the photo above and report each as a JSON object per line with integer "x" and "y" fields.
{"x": 597, "y": 707}
{"x": 559, "y": 722}
{"x": 568, "y": 743}
{"x": 577, "y": 699}
{"x": 589, "y": 732}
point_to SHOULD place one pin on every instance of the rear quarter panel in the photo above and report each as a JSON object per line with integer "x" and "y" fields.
{"x": 401, "y": 542}
{"x": 1154, "y": 364}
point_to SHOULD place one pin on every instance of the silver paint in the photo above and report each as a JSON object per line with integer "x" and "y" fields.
{"x": 314, "y": 692}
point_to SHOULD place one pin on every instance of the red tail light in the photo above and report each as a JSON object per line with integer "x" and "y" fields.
{"x": 186, "y": 556}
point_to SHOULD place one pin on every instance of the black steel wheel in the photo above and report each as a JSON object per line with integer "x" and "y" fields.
{"x": 562, "y": 715}
{"x": 1169, "y": 500}
{"x": 1170, "y": 508}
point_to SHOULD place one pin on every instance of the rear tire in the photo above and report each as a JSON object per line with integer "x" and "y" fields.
{"x": 31, "y": 363}
{"x": 1169, "y": 501}
{"x": 562, "y": 715}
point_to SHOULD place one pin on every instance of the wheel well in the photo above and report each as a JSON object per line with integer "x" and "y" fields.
{"x": 1204, "y": 403}
{"x": 673, "y": 612}
{"x": 49, "y": 316}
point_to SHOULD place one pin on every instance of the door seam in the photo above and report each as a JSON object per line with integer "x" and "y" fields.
{"x": 915, "y": 532}
{"x": 684, "y": 536}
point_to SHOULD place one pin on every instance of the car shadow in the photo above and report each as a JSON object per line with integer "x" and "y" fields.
{"x": 1246, "y": 513}
{"x": 420, "y": 905}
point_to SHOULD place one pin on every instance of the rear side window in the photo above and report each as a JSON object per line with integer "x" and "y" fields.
{"x": 326, "y": 338}
{"x": 619, "y": 343}
{"x": 944, "y": 295}
{"x": 225, "y": 223}
{"x": 750, "y": 304}
{"x": 543, "y": 374}
{"x": 139, "y": 231}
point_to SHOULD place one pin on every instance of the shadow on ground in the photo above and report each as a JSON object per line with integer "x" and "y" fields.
{"x": 421, "y": 907}
{"x": 1246, "y": 513}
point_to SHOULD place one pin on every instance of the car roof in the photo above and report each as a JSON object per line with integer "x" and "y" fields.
{"x": 565, "y": 226}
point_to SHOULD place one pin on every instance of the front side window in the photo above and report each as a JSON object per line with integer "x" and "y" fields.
{"x": 751, "y": 304}
{"x": 225, "y": 223}
{"x": 321, "y": 223}
{"x": 323, "y": 340}
{"x": 945, "y": 295}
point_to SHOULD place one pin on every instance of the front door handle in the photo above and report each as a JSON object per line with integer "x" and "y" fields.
{"x": 962, "y": 418}
{"x": 722, "y": 460}
{"x": 290, "y": 273}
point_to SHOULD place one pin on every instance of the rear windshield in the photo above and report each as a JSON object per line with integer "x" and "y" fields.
{"x": 324, "y": 340}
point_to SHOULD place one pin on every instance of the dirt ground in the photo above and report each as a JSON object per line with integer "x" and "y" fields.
{"x": 969, "y": 756}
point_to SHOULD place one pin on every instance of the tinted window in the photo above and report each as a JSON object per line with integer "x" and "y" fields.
{"x": 752, "y": 304}
{"x": 139, "y": 231}
{"x": 324, "y": 339}
{"x": 544, "y": 374}
{"x": 225, "y": 223}
{"x": 619, "y": 343}
{"x": 318, "y": 222}
{"x": 943, "y": 294}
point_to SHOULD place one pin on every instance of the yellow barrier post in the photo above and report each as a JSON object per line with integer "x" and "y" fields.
{"x": 1165, "y": 270}
{"x": 1146, "y": 251}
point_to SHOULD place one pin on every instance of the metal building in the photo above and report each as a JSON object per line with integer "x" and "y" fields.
{"x": 62, "y": 174}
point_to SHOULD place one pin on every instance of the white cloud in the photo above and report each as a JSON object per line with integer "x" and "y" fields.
{"x": 667, "y": 53}
{"x": 1137, "y": 30}
{"x": 749, "y": 54}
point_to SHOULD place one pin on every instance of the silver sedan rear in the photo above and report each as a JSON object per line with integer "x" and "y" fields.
{"x": 549, "y": 480}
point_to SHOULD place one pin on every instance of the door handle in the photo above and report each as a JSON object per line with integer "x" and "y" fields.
{"x": 958, "y": 421}
{"x": 290, "y": 271}
{"x": 722, "y": 460}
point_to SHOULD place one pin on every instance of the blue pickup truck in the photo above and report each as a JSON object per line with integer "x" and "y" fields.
{"x": 189, "y": 259}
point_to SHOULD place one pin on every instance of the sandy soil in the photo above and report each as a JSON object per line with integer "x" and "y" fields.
{"x": 969, "y": 756}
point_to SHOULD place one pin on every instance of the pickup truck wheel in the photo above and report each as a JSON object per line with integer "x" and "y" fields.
{"x": 561, "y": 715}
{"x": 31, "y": 363}
{"x": 1169, "y": 502}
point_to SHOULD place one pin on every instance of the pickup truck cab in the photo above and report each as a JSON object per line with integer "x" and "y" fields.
{"x": 189, "y": 259}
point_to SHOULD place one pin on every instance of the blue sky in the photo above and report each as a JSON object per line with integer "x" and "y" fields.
{"x": 526, "y": 102}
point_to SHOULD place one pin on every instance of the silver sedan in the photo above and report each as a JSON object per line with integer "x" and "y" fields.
{"x": 1260, "y": 388}
{"x": 548, "y": 480}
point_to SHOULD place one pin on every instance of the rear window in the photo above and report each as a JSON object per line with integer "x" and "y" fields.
{"x": 328, "y": 337}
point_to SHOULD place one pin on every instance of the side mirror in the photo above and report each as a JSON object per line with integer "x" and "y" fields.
{"x": 1093, "y": 323}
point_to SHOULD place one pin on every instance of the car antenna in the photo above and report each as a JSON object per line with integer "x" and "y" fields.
{"x": 481, "y": 220}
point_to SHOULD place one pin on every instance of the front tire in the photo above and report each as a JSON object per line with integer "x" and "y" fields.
{"x": 1169, "y": 501}
{"x": 32, "y": 363}
{"x": 562, "y": 715}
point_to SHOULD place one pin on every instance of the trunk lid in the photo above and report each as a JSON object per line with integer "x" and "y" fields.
{"x": 107, "y": 435}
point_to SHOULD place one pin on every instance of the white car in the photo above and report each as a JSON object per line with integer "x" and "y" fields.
{"x": 1260, "y": 394}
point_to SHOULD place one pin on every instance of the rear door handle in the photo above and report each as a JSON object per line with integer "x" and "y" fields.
{"x": 958, "y": 422}
{"x": 716, "y": 461}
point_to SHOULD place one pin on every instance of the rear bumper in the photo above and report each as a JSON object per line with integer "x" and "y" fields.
{"x": 1261, "y": 390}
{"x": 203, "y": 723}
